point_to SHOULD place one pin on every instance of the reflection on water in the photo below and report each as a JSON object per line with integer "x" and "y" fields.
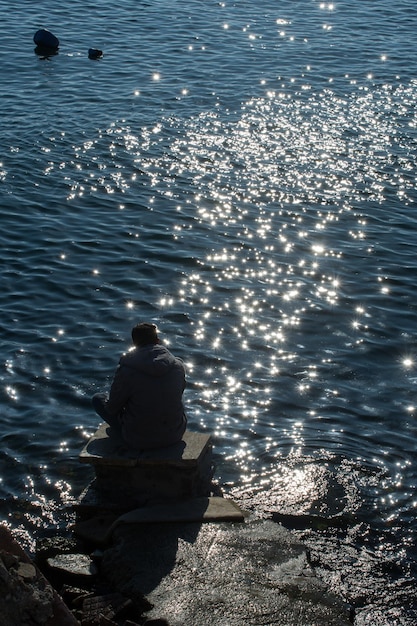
{"x": 332, "y": 504}
{"x": 263, "y": 216}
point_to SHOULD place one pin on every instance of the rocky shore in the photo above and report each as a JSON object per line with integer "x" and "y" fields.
{"x": 155, "y": 543}
{"x": 138, "y": 570}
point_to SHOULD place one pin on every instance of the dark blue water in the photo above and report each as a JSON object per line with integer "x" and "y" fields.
{"x": 243, "y": 174}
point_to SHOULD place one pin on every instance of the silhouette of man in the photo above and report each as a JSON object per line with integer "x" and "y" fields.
{"x": 145, "y": 401}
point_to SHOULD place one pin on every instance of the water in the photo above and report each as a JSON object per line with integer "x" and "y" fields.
{"x": 243, "y": 174}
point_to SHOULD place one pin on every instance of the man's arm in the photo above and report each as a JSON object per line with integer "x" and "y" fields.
{"x": 119, "y": 392}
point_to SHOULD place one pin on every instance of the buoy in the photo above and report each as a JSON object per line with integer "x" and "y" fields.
{"x": 93, "y": 53}
{"x": 45, "y": 39}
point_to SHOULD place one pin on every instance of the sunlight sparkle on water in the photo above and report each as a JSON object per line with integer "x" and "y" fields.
{"x": 270, "y": 226}
{"x": 12, "y": 393}
{"x": 318, "y": 249}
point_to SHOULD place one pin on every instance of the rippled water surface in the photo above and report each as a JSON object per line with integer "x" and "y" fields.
{"x": 243, "y": 174}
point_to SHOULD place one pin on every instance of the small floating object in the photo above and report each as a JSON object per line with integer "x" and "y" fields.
{"x": 46, "y": 40}
{"x": 93, "y": 53}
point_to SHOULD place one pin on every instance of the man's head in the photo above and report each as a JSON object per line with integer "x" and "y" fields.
{"x": 144, "y": 334}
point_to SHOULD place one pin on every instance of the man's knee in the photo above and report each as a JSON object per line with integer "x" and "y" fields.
{"x": 98, "y": 401}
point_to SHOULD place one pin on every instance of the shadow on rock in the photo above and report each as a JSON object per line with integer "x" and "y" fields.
{"x": 143, "y": 555}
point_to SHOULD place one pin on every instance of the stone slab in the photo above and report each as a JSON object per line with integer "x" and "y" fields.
{"x": 103, "y": 450}
{"x": 212, "y": 509}
{"x": 77, "y": 566}
{"x": 181, "y": 471}
{"x": 254, "y": 573}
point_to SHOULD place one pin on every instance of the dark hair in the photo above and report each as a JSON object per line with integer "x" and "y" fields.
{"x": 144, "y": 334}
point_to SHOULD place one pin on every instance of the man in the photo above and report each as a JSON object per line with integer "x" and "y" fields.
{"x": 145, "y": 401}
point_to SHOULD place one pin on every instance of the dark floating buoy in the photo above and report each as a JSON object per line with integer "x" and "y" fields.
{"x": 93, "y": 53}
{"x": 45, "y": 40}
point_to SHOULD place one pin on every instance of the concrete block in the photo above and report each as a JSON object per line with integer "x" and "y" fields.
{"x": 214, "y": 509}
{"x": 183, "y": 470}
{"x": 103, "y": 449}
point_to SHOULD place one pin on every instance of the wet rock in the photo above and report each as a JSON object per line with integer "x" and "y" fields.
{"x": 74, "y": 596}
{"x": 9, "y": 560}
{"x": 94, "y": 53}
{"x": 43, "y": 38}
{"x": 71, "y": 568}
{"x": 112, "y": 606}
{"x": 26, "y": 598}
{"x": 316, "y": 522}
{"x": 26, "y": 571}
{"x": 48, "y": 547}
{"x": 212, "y": 574}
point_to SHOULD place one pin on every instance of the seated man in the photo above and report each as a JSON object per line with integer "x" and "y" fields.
{"x": 145, "y": 401}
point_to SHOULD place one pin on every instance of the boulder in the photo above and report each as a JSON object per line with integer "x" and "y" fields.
{"x": 45, "y": 39}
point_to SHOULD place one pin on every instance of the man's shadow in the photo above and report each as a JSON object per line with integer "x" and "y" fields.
{"x": 148, "y": 553}
{"x": 145, "y": 538}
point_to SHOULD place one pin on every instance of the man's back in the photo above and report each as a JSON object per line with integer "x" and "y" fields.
{"x": 147, "y": 393}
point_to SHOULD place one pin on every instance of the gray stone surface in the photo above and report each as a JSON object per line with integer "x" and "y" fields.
{"x": 221, "y": 575}
{"x": 210, "y": 509}
{"x": 26, "y": 597}
{"x": 180, "y": 471}
{"x": 102, "y": 449}
{"x": 100, "y": 528}
{"x": 73, "y": 565}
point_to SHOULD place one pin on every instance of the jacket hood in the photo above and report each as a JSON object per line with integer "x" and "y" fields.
{"x": 153, "y": 360}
